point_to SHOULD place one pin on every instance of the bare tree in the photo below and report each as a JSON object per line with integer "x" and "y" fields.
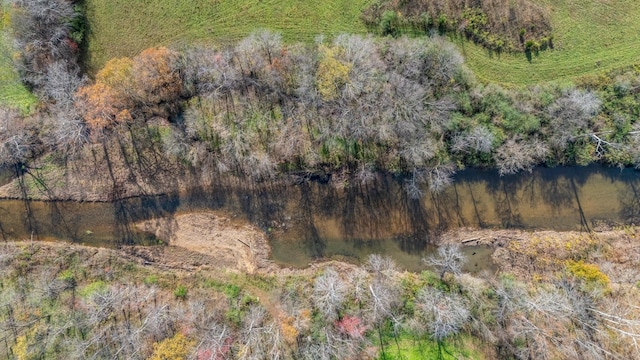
{"x": 329, "y": 293}
{"x": 570, "y": 115}
{"x": 479, "y": 139}
{"x": 381, "y": 266}
{"x": 383, "y": 301}
{"x": 413, "y": 185}
{"x": 64, "y": 130}
{"x": 209, "y": 72}
{"x": 450, "y": 259}
{"x": 16, "y": 148}
{"x": 516, "y": 155}
{"x": 384, "y": 296}
{"x": 445, "y": 313}
{"x": 260, "y": 339}
{"x": 440, "y": 177}
{"x": 61, "y": 83}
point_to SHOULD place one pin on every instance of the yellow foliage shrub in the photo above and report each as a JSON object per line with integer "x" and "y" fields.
{"x": 20, "y": 349}
{"x": 590, "y": 274}
{"x": 26, "y": 347}
{"x": 6, "y": 19}
{"x": 177, "y": 347}
{"x": 116, "y": 72}
{"x": 289, "y": 332}
{"x": 332, "y": 72}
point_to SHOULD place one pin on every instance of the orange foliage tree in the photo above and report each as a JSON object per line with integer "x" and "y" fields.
{"x": 147, "y": 85}
{"x": 156, "y": 76}
{"x": 100, "y": 106}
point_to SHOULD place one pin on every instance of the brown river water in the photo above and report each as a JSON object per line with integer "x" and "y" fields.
{"x": 315, "y": 220}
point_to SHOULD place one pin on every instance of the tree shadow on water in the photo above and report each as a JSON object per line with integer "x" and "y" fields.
{"x": 128, "y": 212}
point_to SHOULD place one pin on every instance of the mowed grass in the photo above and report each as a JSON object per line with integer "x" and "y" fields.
{"x": 12, "y": 92}
{"x": 590, "y": 36}
{"x": 125, "y": 27}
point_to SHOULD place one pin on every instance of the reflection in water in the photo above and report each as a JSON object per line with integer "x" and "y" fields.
{"x": 314, "y": 220}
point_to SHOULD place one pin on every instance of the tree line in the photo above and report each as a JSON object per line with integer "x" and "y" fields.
{"x": 82, "y": 304}
{"x": 353, "y": 104}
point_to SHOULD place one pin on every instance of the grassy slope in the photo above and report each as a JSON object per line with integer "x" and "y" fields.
{"x": 124, "y": 27}
{"x": 12, "y": 92}
{"x": 591, "y": 36}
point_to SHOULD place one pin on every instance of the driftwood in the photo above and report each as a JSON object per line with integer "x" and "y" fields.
{"x": 470, "y": 240}
{"x": 244, "y": 243}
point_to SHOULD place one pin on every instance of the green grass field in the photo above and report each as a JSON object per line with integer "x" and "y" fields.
{"x": 12, "y": 92}
{"x": 590, "y": 36}
{"x": 125, "y": 27}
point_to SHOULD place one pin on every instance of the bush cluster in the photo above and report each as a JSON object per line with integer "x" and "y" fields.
{"x": 502, "y": 25}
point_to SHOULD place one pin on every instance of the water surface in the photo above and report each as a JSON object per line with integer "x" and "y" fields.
{"x": 314, "y": 219}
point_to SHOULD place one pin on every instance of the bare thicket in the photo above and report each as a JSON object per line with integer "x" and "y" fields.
{"x": 17, "y": 141}
{"x": 479, "y": 139}
{"x": 48, "y": 61}
{"x": 262, "y": 105}
{"x": 48, "y": 64}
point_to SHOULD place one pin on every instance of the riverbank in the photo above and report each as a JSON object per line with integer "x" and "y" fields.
{"x": 202, "y": 280}
{"x": 214, "y": 240}
{"x": 537, "y": 255}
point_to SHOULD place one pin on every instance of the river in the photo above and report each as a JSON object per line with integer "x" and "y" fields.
{"x": 314, "y": 220}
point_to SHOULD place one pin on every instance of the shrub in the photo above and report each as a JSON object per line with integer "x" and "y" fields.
{"x": 590, "y": 274}
{"x": 351, "y": 326}
{"x": 78, "y": 24}
{"x": 332, "y": 72}
{"x": 389, "y": 23}
{"x": 180, "y": 292}
{"x": 232, "y": 291}
{"x": 530, "y": 45}
{"x": 150, "y": 280}
{"x": 93, "y": 288}
{"x": 177, "y": 347}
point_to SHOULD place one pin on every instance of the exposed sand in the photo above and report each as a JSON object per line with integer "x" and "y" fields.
{"x": 211, "y": 239}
